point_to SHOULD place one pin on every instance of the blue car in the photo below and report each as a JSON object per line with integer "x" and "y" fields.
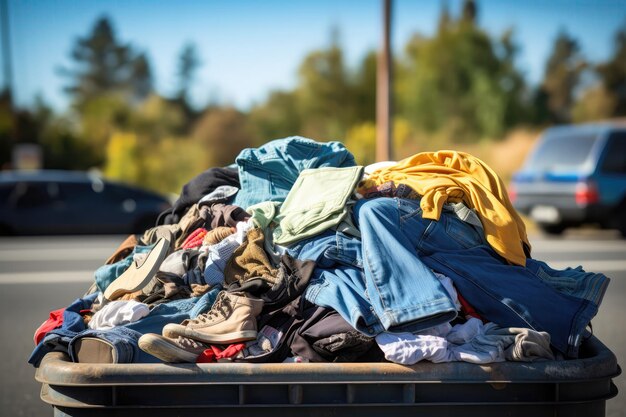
{"x": 67, "y": 202}
{"x": 575, "y": 175}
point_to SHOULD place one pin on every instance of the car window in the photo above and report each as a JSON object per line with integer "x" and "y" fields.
{"x": 615, "y": 160}
{"x": 559, "y": 151}
{"x": 29, "y": 195}
{"x": 5, "y": 193}
{"x": 81, "y": 192}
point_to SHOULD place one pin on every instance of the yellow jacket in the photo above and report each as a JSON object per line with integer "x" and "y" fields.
{"x": 457, "y": 176}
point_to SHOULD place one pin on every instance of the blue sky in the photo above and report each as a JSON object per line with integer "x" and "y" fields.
{"x": 251, "y": 47}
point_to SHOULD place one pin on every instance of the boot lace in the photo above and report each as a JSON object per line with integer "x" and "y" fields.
{"x": 220, "y": 307}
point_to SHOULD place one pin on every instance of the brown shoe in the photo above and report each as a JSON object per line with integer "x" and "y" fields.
{"x": 232, "y": 319}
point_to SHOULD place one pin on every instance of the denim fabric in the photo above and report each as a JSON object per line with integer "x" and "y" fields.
{"x": 509, "y": 295}
{"x": 174, "y": 312}
{"x": 123, "y": 340}
{"x": 405, "y": 294}
{"x": 59, "y": 339}
{"x": 106, "y": 274}
{"x": 339, "y": 282}
{"x": 267, "y": 173}
{"x": 572, "y": 281}
{"x": 329, "y": 249}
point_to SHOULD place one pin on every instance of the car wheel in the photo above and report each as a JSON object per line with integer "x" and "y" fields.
{"x": 5, "y": 230}
{"x": 552, "y": 229}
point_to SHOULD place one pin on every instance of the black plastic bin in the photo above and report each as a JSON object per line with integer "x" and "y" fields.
{"x": 556, "y": 388}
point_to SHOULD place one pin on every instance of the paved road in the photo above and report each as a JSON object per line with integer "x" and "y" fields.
{"x": 41, "y": 274}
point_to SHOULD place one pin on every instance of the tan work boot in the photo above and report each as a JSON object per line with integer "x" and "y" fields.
{"x": 232, "y": 319}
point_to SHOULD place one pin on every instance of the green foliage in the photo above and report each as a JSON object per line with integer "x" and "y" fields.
{"x": 459, "y": 88}
{"x": 460, "y": 80}
{"x": 613, "y": 74}
{"x": 562, "y": 75}
{"x": 220, "y": 134}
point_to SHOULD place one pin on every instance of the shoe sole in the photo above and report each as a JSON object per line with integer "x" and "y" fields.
{"x": 136, "y": 277}
{"x": 174, "y": 330}
{"x": 164, "y": 350}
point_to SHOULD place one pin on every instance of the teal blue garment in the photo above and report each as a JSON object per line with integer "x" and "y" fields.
{"x": 106, "y": 274}
{"x": 315, "y": 203}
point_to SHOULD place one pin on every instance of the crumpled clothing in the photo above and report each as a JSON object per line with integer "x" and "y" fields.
{"x": 457, "y": 176}
{"x": 199, "y": 186}
{"x": 124, "y": 249}
{"x": 216, "y": 235}
{"x": 117, "y": 313}
{"x": 408, "y": 349}
{"x": 215, "y": 354}
{"x": 219, "y": 254}
{"x": 344, "y": 347}
{"x": 195, "y": 239}
{"x": 226, "y": 215}
{"x": 250, "y": 261}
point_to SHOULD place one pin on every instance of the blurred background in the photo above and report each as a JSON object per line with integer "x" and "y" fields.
{"x": 139, "y": 96}
{"x": 152, "y": 93}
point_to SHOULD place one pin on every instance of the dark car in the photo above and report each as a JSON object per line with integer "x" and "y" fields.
{"x": 575, "y": 175}
{"x": 68, "y": 202}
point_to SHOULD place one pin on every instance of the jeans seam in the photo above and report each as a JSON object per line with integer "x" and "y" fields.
{"x": 492, "y": 296}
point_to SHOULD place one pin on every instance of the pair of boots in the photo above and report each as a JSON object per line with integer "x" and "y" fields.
{"x": 231, "y": 319}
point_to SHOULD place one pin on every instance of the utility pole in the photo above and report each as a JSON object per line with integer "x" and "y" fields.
{"x": 384, "y": 78}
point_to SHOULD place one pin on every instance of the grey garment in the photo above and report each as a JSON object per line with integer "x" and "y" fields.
{"x": 527, "y": 346}
{"x": 221, "y": 194}
{"x": 497, "y": 344}
{"x": 464, "y": 213}
{"x": 347, "y": 225}
{"x": 185, "y": 264}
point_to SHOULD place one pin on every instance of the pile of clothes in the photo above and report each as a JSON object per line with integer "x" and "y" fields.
{"x": 296, "y": 253}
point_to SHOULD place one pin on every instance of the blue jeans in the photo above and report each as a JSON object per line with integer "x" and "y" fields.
{"x": 343, "y": 281}
{"x": 400, "y": 246}
{"x": 572, "y": 281}
{"x": 268, "y": 173}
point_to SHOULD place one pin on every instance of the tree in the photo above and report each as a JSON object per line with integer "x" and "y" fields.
{"x": 460, "y": 80}
{"x": 364, "y": 101}
{"x": 561, "y": 77}
{"x": 188, "y": 63}
{"x": 613, "y": 74}
{"x": 220, "y": 134}
{"x": 102, "y": 65}
{"x": 278, "y": 117}
{"x": 324, "y": 93}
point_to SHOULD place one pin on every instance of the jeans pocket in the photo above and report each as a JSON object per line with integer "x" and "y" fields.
{"x": 461, "y": 232}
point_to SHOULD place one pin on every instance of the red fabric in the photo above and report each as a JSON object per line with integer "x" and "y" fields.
{"x": 194, "y": 240}
{"x": 467, "y": 309}
{"x": 214, "y": 353}
{"x": 55, "y": 320}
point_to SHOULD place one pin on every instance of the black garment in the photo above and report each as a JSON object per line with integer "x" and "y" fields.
{"x": 292, "y": 279}
{"x": 197, "y": 188}
{"x": 226, "y": 215}
{"x": 327, "y": 337}
{"x": 303, "y": 324}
